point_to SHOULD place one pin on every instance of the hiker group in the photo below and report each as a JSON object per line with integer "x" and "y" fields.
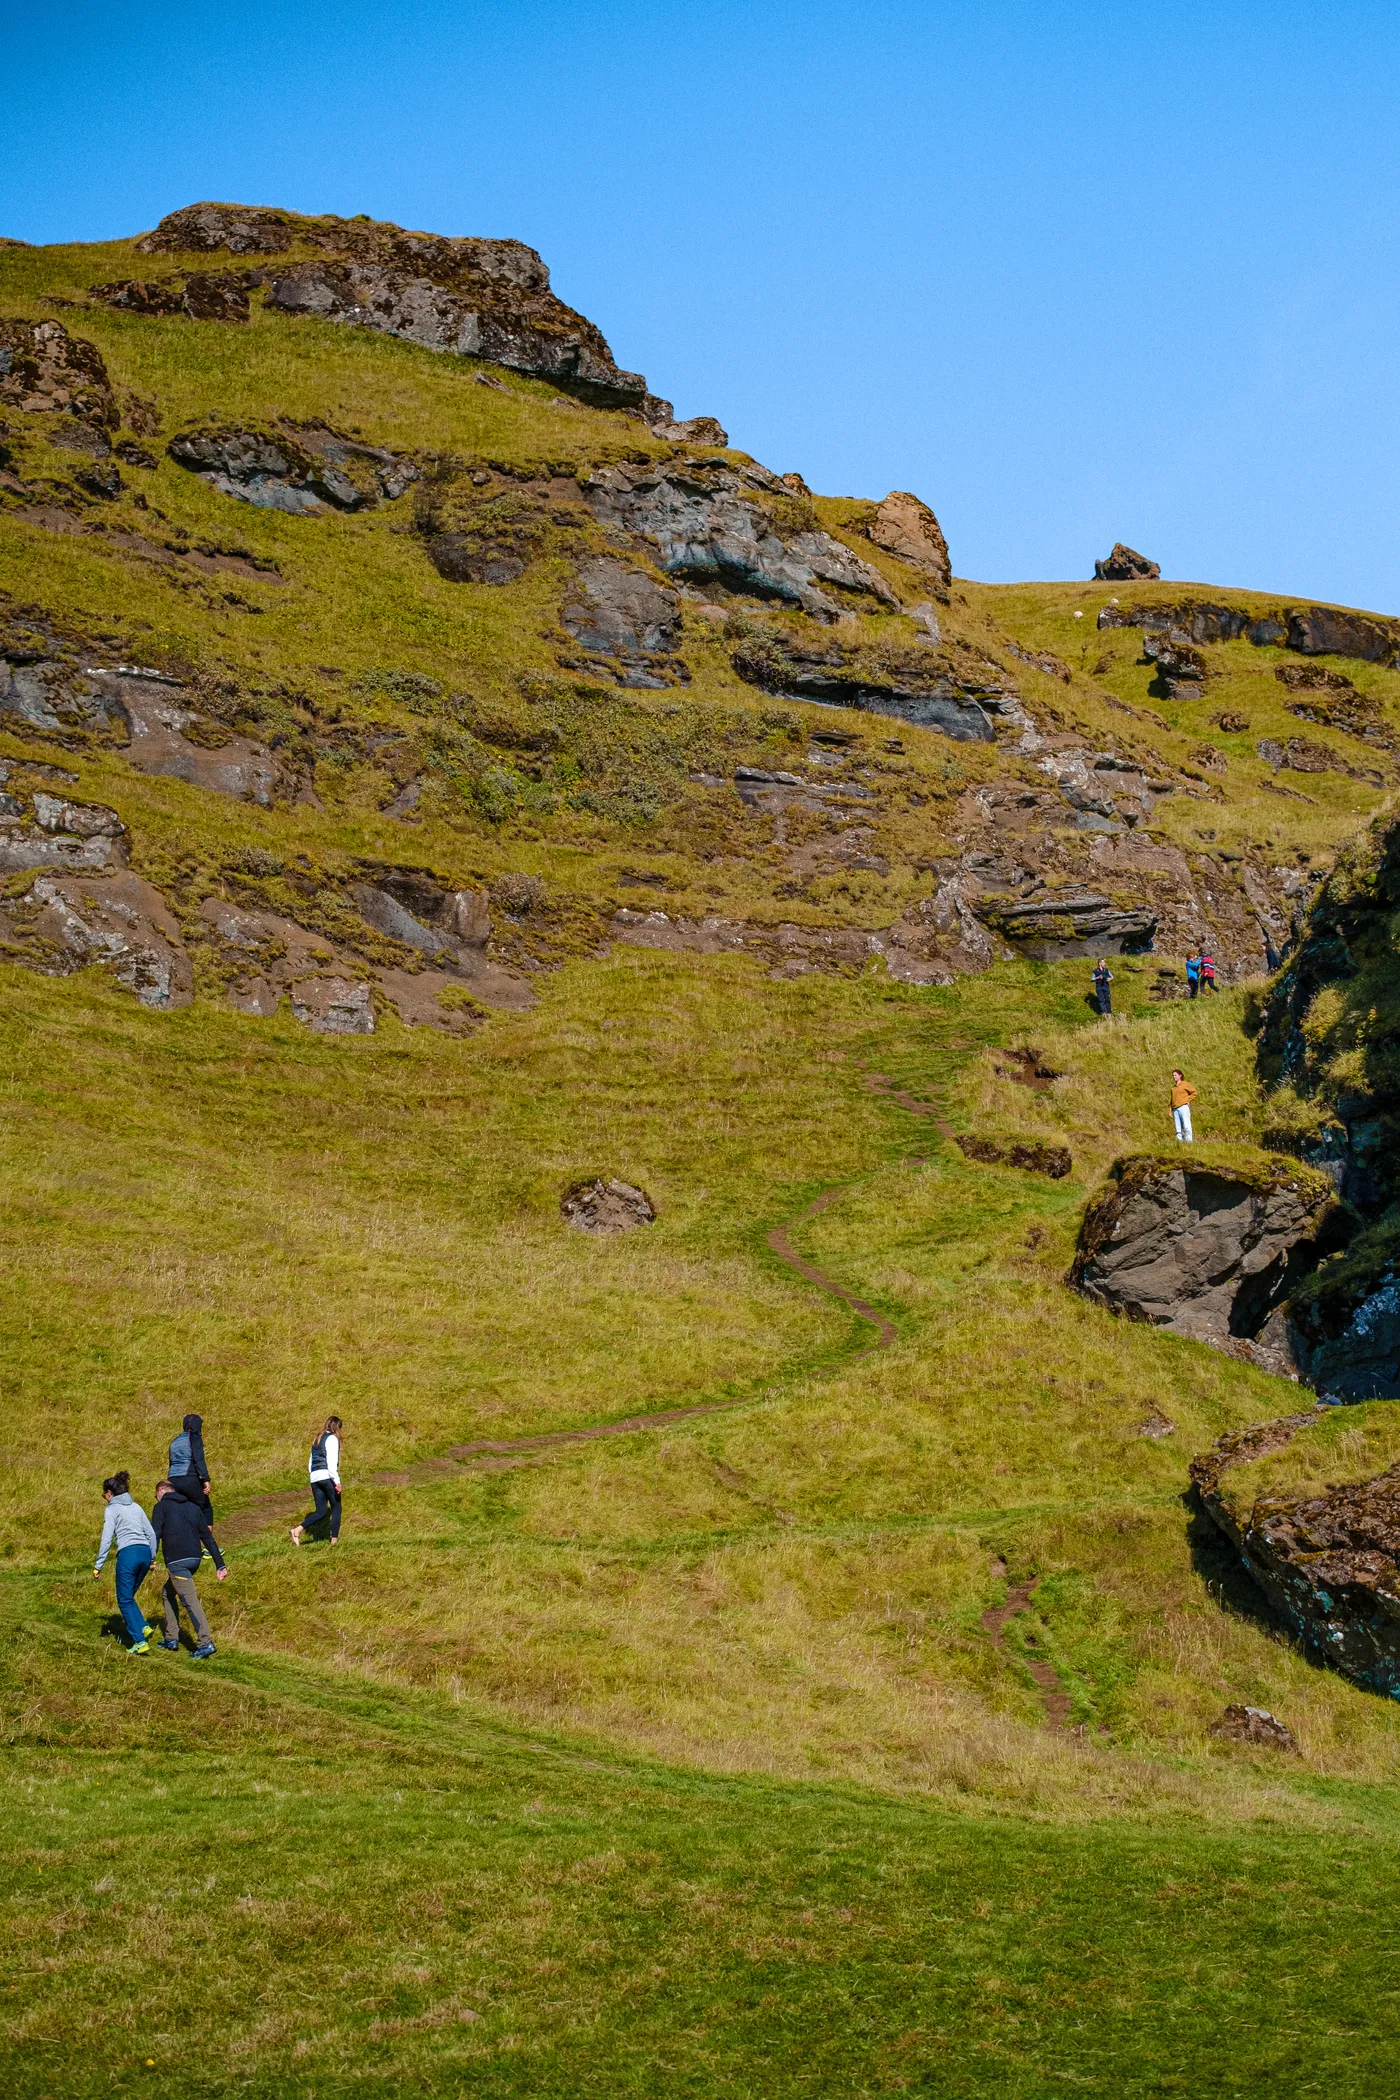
{"x": 181, "y": 1527}
{"x": 1200, "y": 977}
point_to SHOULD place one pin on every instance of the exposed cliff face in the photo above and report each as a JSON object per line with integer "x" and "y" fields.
{"x": 1329, "y": 1051}
{"x": 1328, "y": 1562}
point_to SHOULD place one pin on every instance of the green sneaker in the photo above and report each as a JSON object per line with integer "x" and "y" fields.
{"x": 146, "y": 1632}
{"x": 139, "y": 1648}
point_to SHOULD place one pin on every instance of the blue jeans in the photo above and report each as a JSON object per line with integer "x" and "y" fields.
{"x": 133, "y": 1566}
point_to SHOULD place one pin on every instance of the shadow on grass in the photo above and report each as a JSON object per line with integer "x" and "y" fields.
{"x": 1217, "y": 1562}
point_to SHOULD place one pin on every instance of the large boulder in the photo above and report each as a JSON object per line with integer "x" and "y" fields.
{"x": 904, "y": 526}
{"x": 1211, "y": 1252}
{"x": 1125, "y": 565}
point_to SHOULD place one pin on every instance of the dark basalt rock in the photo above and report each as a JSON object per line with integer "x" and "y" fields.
{"x": 1321, "y": 630}
{"x": 1329, "y": 1564}
{"x": 1317, "y": 630}
{"x": 622, "y": 613}
{"x": 913, "y": 686}
{"x": 271, "y": 472}
{"x": 1064, "y": 923}
{"x": 1125, "y": 565}
{"x": 460, "y": 558}
{"x": 477, "y": 298}
{"x": 1205, "y": 1252}
{"x": 1181, "y": 669}
{"x": 202, "y": 295}
{"x": 703, "y": 522}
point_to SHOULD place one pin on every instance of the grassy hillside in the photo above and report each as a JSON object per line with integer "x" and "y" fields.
{"x": 704, "y": 1753}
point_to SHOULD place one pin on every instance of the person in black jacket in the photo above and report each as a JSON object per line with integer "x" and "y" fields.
{"x": 189, "y": 1469}
{"x": 183, "y": 1532}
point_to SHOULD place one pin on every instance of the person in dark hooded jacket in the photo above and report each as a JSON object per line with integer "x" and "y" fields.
{"x": 189, "y": 1469}
{"x": 179, "y": 1524}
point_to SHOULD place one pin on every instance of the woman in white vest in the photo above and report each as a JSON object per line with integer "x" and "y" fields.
{"x": 325, "y": 1482}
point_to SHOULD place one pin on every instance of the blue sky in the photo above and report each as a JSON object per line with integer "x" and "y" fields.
{"x": 1072, "y": 273}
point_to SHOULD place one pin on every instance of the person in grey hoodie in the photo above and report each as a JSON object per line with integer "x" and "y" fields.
{"x": 189, "y": 1468}
{"x": 127, "y": 1527}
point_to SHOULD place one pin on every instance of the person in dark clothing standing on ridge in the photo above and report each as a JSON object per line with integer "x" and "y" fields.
{"x": 189, "y": 1469}
{"x": 184, "y": 1536}
{"x": 325, "y": 1482}
{"x": 1103, "y": 986}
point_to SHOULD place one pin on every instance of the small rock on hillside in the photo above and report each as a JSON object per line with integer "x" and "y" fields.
{"x": 607, "y": 1206}
{"x": 1125, "y": 565}
{"x": 1256, "y": 1725}
{"x": 44, "y": 370}
{"x": 1205, "y": 1252}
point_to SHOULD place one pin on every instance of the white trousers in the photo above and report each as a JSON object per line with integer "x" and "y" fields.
{"x": 1181, "y": 1117}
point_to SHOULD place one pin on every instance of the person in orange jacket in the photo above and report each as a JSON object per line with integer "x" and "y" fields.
{"x": 1183, "y": 1094}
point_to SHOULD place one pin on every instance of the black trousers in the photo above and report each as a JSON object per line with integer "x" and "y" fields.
{"x": 327, "y": 1505}
{"x": 1105, "y": 996}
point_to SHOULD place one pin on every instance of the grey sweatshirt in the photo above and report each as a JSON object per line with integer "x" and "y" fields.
{"x": 125, "y": 1524}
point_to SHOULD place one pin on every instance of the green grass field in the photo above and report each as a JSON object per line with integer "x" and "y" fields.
{"x": 680, "y": 1759}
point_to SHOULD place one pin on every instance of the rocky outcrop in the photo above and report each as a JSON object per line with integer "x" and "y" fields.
{"x": 696, "y": 430}
{"x": 43, "y": 830}
{"x": 1061, "y": 923}
{"x": 265, "y": 956}
{"x": 607, "y": 1206}
{"x": 1181, "y": 669}
{"x": 46, "y": 371}
{"x": 1208, "y": 1252}
{"x": 1328, "y": 1563}
{"x": 271, "y": 472}
{"x": 476, "y": 298}
{"x": 1125, "y": 565}
{"x": 709, "y": 523}
{"x": 967, "y": 701}
{"x": 620, "y": 614}
{"x": 904, "y": 526}
{"x": 157, "y": 717}
{"x": 198, "y": 295}
{"x": 1254, "y": 1725}
{"x": 1316, "y": 630}
{"x": 116, "y": 921}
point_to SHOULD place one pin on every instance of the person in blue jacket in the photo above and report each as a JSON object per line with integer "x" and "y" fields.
{"x": 127, "y": 1527}
{"x": 1193, "y": 975}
